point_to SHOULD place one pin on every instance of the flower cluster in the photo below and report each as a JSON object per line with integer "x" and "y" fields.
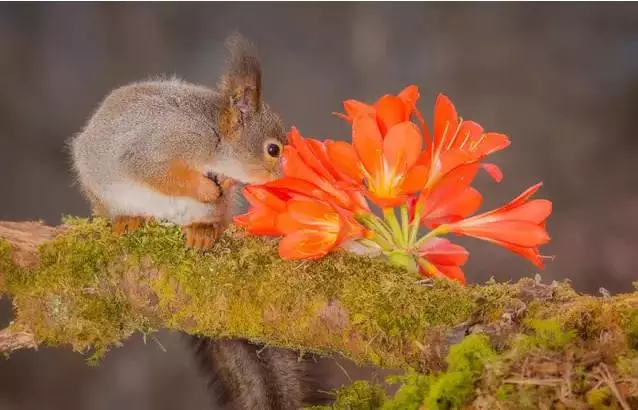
{"x": 416, "y": 178}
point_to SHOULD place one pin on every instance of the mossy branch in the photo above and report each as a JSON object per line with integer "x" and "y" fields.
{"x": 82, "y": 286}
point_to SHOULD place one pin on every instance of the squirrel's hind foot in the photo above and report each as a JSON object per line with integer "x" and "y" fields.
{"x": 202, "y": 236}
{"x": 128, "y": 224}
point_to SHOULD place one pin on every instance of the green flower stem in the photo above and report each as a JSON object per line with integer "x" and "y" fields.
{"x": 440, "y": 230}
{"x": 380, "y": 228}
{"x": 379, "y": 240}
{"x": 393, "y": 222}
{"x": 405, "y": 225}
{"x": 416, "y": 224}
{"x": 404, "y": 260}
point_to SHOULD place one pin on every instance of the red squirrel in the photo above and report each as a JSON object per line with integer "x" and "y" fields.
{"x": 170, "y": 150}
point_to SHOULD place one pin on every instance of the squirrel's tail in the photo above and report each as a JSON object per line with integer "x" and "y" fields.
{"x": 241, "y": 375}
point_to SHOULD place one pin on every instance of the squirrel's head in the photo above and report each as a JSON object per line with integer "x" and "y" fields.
{"x": 253, "y": 136}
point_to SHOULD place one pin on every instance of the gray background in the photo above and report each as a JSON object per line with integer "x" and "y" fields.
{"x": 560, "y": 79}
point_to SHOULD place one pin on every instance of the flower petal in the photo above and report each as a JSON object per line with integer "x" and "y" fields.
{"x": 410, "y": 96}
{"x": 446, "y": 120}
{"x": 441, "y": 251}
{"x": 390, "y": 111}
{"x": 320, "y": 150}
{"x": 286, "y": 224}
{"x": 449, "y": 160}
{"x": 451, "y": 185}
{"x": 494, "y": 171}
{"x": 316, "y": 214}
{"x": 454, "y": 209}
{"x": 402, "y": 146}
{"x": 535, "y": 211}
{"x": 306, "y": 244}
{"x": 296, "y": 185}
{"x": 522, "y": 198}
{"x": 344, "y": 157}
{"x": 258, "y": 223}
{"x": 386, "y": 202}
{"x": 307, "y": 154}
{"x": 489, "y": 143}
{"x": 367, "y": 141}
{"x": 453, "y": 272}
{"x": 354, "y": 108}
{"x": 519, "y": 233}
{"x": 414, "y": 179}
{"x": 261, "y": 197}
{"x": 295, "y": 167}
{"x": 350, "y": 230}
{"x": 531, "y": 254}
{"x": 469, "y": 131}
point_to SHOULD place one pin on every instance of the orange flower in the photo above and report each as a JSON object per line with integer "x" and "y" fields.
{"x": 313, "y": 228}
{"x": 266, "y": 205}
{"x": 441, "y": 258}
{"x": 451, "y": 199}
{"x": 308, "y": 171}
{"x": 385, "y": 166}
{"x": 518, "y": 226}
{"x": 389, "y": 110}
{"x": 456, "y": 142}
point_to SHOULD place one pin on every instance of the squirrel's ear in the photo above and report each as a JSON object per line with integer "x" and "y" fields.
{"x": 241, "y": 85}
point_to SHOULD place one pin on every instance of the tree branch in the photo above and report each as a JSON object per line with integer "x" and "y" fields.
{"x": 79, "y": 285}
{"x": 10, "y": 341}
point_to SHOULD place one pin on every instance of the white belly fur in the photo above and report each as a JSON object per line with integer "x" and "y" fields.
{"x": 132, "y": 199}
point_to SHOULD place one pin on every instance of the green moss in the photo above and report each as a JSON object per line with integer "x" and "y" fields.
{"x": 93, "y": 290}
{"x": 632, "y": 330}
{"x": 410, "y": 395}
{"x": 627, "y": 365}
{"x": 505, "y": 392}
{"x": 6, "y": 262}
{"x": 361, "y": 395}
{"x": 466, "y": 361}
{"x": 547, "y": 334}
{"x": 446, "y": 390}
{"x": 88, "y": 291}
{"x": 600, "y": 399}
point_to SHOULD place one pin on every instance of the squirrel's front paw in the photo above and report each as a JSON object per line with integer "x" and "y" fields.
{"x": 213, "y": 186}
{"x": 127, "y": 224}
{"x": 202, "y": 235}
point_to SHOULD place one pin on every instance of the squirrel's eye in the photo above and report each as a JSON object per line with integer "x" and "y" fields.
{"x": 274, "y": 150}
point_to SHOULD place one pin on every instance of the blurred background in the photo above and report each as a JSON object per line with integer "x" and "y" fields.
{"x": 561, "y": 79}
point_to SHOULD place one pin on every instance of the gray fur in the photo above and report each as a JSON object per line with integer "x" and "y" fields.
{"x": 139, "y": 128}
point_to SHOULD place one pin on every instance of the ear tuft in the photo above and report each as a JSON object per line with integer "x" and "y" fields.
{"x": 241, "y": 85}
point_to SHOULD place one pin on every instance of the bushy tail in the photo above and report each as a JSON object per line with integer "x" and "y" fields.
{"x": 241, "y": 375}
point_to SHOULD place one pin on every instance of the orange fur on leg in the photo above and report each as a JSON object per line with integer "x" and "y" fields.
{"x": 202, "y": 235}
{"x": 181, "y": 180}
{"x": 127, "y": 224}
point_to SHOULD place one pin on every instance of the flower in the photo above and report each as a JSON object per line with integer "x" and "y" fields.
{"x": 450, "y": 200}
{"x": 388, "y": 111}
{"x": 518, "y": 225}
{"x": 308, "y": 171}
{"x": 313, "y": 228}
{"x": 385, "y": 167}
{"x": 266, "y": 205}
{"x": 456, "y": 142}
{"x": 319, "y": 205}
{"x": 440, "y": 257}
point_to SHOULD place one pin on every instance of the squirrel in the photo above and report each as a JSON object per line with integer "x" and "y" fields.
{"x": 174, "y": 151}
